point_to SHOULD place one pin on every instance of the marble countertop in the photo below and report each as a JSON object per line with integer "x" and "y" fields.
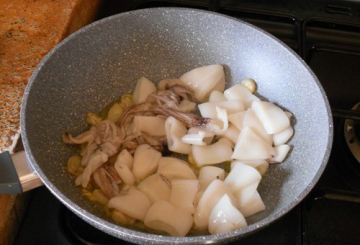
{"x": 29, "y": 29}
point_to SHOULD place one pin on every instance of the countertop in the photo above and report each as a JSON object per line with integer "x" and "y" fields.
{"x": 29, "y": 29}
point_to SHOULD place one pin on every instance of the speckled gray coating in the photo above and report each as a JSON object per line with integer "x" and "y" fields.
{"x": 100, "y": 62}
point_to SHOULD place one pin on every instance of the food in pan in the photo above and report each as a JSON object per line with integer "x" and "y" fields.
{"x": 132, "y": 157}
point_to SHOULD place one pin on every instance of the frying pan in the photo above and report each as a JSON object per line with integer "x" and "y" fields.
{"x": 102, "y": 61}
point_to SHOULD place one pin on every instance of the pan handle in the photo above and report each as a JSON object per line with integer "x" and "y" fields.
{"x": 16, "y": 175}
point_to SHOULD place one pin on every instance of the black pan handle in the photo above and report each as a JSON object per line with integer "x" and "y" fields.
{"x": 346, "y": 114}
{"x": 9, "y": 179}
{"x": 16, "y": 175}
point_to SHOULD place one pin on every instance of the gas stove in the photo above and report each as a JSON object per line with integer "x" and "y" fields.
{"x": 326, "y": 34}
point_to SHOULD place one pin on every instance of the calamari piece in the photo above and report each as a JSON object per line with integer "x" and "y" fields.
{"x": 165, "y": 98}
{"x": 237, "y": 119}
{"x": 260, "y": 165}
{"x": 96, "y": 160}
{"x": 208, "y": 200}
{"x": 205, "y": 79}
{"x": 175, "y": 130}
{"x": 219, "y": 126}
{"x": 127, "y": 117}
{"x": 189, "y": 119}
{"x": 198, "y": 197}
{"x": 252, "y": 121}
{"x": 125, "y": 174}
{"x": 237, "y": 92}
{"x": 249, "y": 200}
{"x": 283, "y": 136}
{"x": 216, "y": 96}
{"x": 248, "y": 102}
{"x": 208, "y": 109}
{"x": 143, "y": 88}
{"x": 87, "y": 152}
{"x": 107, "y": 184}
{"x": 111, "y": 172}
{"x": 123, "y": 166}
{"x": 183, "y": 193}
{"x": 197, "y": 136}
{"x": 146, "y": 161}
{"x": 183, "y": 91}
{"x": 86, "y": 137}
{"x": 281, "y": 152}
{"x": 209, "y": 173}
{"x": 225, "y": 217}
{"x": 251, "y": 146}
{"x": 174, "y": 168}
{"x": 125, "y": 158}
{"x": 166, "y": 83}
{"x": 165, "y": 217}
{"x": 218, "y": 152}
{"x": 131, "y": 202}
{"x": 186, "y": 106}
{"x": 271, "y": 116}
{"x": 241, "y": 175}
{"x": 232, "y": 134}
{"x": 153, "y": 126}
{"x": 156, "y": 187}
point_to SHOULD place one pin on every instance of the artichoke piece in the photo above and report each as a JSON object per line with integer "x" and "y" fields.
{"x": 74, "y": 166}
{"x": 115, "y": 112}
{"x": 93, "y": 119}
{"x": 126, "y": 101}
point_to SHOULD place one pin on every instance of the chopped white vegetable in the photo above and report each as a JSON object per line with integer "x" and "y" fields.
{"x": 237, "y": 119}
{"x": 175, "y": 130}
{"x": 146, "y": 161}
{"x": 225, "y": 217}
{"x": 208, "y": 109}
{"x": 183, "y": 192}
{"x": 281, "y": 152}
{"x": 237, "y": 92}
{"x": 283, "y": 136}
{"x": 208, "y": 200}
{"x": 241, "y": 175}
{"x": 272, "y": 117}
{"x": 209, "y": 173}
{"x": 174, "y": 168}
{"x": 156, "y": 187}
{"x": 165, "y": 217}
{"x": 251, "y": 146}
{"x": 260, "y": 165}
{"x": 252, "y": 121}
{"x": 201, "y": 137}
{"x": 143, "y": 88}
{"x": 218, "y": 152}
{"x": 132, "y": 202}
{"x": 216, "y": 96}
{"x": 153, "y": 126}
{"x": 249, "y": 200}
{"x": 205, "y": 79}
{"x": 232, "y": 134}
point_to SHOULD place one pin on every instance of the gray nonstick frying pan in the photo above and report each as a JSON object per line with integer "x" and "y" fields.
{"x": 102, "y": 61}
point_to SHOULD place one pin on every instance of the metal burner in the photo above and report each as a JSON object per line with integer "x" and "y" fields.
{"x": 351, "y": 132}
